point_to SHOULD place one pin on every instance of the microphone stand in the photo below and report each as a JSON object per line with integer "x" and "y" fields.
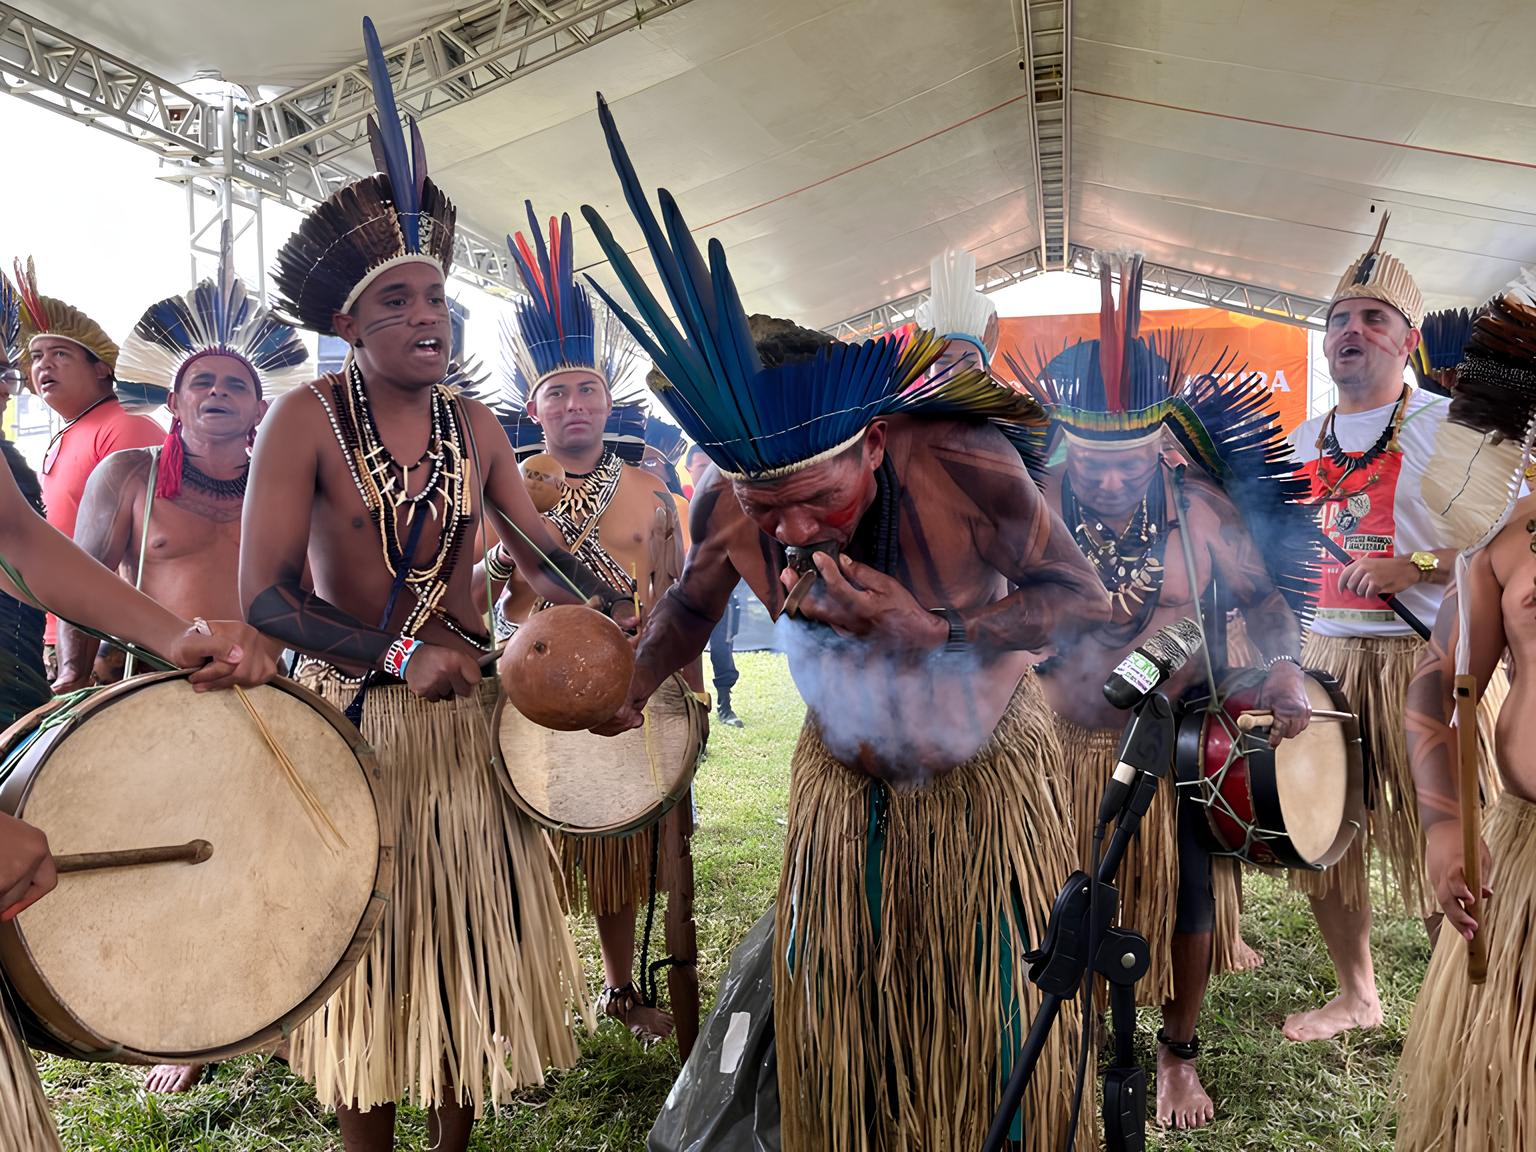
{"x": 1081, "y": 934}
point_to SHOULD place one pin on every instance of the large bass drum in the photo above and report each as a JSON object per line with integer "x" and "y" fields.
{"x": 587, "y": 785}
{"x": 185, "y": 962}
{"x": 1296, "y": 806}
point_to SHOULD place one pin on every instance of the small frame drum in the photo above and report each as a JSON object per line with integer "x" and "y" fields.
{"x": 218, "y": 953}
{"x": 1296, "y": 806}
{"x": 587, "y": 785}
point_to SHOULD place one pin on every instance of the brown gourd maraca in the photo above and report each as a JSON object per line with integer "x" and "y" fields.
{"x": 544, "y": 477}
{"x": 568, "y": 668}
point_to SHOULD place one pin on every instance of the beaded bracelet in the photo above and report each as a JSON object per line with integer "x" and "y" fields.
{"x": 399, "y": 656}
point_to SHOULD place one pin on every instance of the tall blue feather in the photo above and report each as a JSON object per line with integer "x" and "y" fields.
{"x": 391, "y": 140}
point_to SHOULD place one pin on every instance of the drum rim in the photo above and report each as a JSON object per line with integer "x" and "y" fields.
{"x": 19, "y": 971}
{"x": 1280, "y": 848}
{"x": 653, "y": 816}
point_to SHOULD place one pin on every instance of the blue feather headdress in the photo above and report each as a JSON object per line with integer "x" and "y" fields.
{"x": 220, "y": 317}
{"x": 396, "y": 217}
{"x": 10, "y": 323}
{"x": 1443, "y": 337}
{"x": 756, "y": 422}
{"x": 666, "y": 439}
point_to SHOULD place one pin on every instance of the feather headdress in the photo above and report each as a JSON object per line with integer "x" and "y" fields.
{"x": 396, "y": 217}
{"x": 667, "y": 439}
{"x": 1479, "y": 448}
{"x": 11, "y": 349}
{"x": 46, "y": 316}
{"x": 1119, "y": 387}
{"x": 558, "y": 328}
{"x": 1442, "y": 337}
{"x": 218, "y": 317}
{"x": 762, "y": 422}
{"x": 954, "y": 308}
{"x": 1379, "y": 275}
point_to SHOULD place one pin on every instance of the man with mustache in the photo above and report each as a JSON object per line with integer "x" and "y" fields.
{"x": 1367, "y": 460}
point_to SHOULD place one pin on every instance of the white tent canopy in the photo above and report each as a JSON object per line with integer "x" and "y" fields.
{"x": 835, "y": 147}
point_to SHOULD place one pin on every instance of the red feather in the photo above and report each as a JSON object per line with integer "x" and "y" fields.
{"x": 1111, "y": 343}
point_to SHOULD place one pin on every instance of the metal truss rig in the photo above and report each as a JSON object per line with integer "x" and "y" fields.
{"x": 893, "y": 315}
{"x": 290, "y": 148}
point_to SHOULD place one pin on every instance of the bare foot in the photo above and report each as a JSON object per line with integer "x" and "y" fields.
{"x": 1339, "y": 1015}
{"x": 173, "y": 1077}
{"x": 1246, "y": 958}
{"x": 649, "y": 1025}
{"x": 1181, "y": 1098}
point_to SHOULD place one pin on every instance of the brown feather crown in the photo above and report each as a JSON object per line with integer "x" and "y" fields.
{"x": 395, "y": 217}
{"x": 1495, "y": 388}
{"x": 47, "y": 316}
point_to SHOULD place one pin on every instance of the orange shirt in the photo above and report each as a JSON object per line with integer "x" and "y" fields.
{"x": 68, "y": 464}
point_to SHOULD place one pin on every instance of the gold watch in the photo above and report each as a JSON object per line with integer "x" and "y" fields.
{"x": 1425, "y": 562}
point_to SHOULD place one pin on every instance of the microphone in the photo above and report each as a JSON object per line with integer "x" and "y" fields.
{"x": 1146, "y": 749}
{"x": 1149, "y": 666}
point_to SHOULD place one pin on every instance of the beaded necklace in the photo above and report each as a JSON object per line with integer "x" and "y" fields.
{"x": 1351, "y": 462}
{"x": 1129, "y": 564}
{"x": 384, "y": 485}
{"x": 219, "y": 489}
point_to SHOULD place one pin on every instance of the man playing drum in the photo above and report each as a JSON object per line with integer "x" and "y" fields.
{"x": 564, "y": 356}
{"x": 380, "y": 476}
{"x": 1124, "y": 410}
{"x": 926, "y": 834}
{"x": 80, "y": 589}
{"x": 1369, "y": 462}
{"x": 170, "y": 516}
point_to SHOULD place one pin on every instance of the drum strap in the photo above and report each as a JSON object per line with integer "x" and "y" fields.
{"x": 354, "y": 711}
{"x": 149, "y": 507}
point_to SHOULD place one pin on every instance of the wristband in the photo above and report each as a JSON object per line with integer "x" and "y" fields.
{"x": 398, "y": 657}
{"x": 200, "y": 626}
{"x": 1269, "y": 665}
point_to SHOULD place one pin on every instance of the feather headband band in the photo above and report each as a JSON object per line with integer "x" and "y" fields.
{"x": 363, "y": 230}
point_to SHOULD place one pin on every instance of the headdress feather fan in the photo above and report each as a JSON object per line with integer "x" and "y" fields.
{"x": 753, "y": 421}
{"x": 361, "y": 230}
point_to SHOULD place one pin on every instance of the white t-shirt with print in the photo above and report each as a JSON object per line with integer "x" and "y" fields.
{"x": 1413, "y": 529}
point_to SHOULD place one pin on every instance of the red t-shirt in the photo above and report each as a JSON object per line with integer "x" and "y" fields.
{"x": 105, "y": 429}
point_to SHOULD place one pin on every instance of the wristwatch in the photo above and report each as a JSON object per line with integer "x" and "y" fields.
{"x": 1425, "y": 562}
{"x": 957, "y": 640}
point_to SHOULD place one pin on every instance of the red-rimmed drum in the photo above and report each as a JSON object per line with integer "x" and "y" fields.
{"x": 186, "y": 962}
{"x": 581, "y": 784}
{"x": 1296, "y": 806}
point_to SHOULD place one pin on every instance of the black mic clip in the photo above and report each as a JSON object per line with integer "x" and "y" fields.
{"x": 1145, "y": 756}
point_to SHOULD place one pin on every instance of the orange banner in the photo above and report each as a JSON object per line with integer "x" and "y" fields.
{"x": 1277, "y": 352}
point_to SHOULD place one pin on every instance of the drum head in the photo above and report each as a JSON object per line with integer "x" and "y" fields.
{"x": 1312, "y": 778}
{"x": 190, "y": 958}
{"x": 585, "y": 784}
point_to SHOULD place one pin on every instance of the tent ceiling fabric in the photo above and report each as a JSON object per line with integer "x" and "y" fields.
{"x": 835, "y": 147}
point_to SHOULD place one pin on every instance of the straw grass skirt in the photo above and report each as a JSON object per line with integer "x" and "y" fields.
{"x": 1468, "y": 1072}
{"x": 901, "y": 996}
{"x": 1149, "y": 873}
{"x": 609, "y": 874}
{"x": 472, "y": 986}
{"x": 1374, "y": 673}
{"x": 25, "y": 1125}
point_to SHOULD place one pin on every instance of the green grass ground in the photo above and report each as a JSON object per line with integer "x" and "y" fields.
{"x": 1271, "y": 1096}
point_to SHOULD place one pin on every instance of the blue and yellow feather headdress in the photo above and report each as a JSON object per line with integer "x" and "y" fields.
{"x": 396, "y": 217}
{"x": 755, "y": 422}
{"x": 218, "y": 317}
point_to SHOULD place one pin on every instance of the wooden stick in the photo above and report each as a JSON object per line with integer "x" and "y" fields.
{"x": 1248, "y": 721}
{"x": 192, "y": 852}
{"x": 800, "y": 591}
{"x": 1469, "y": 759}
{"x": 682, "y": 932}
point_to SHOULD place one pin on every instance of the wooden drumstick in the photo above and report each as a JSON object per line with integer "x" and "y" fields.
{"x": 1468, "y": 757}
{"x": 1248, "y": 721}
{"x": 192, "y": 852}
